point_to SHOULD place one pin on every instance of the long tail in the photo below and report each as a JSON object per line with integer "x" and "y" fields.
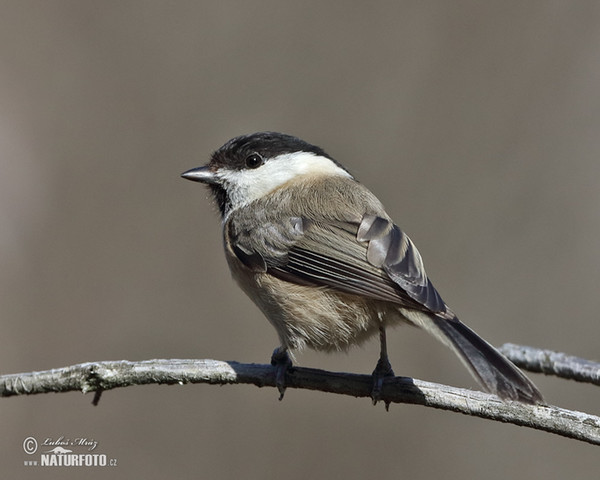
{"x": 493, "y": 370}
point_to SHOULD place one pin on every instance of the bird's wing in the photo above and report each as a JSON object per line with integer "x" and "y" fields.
{"x": 371, "y": 257}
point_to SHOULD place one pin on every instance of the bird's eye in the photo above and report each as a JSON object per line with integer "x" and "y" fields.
{"x": 254, "y": 160}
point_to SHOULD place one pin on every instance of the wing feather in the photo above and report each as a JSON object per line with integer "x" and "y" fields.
{"x": 337, "y": 256}
{"x": 371, "y": 257}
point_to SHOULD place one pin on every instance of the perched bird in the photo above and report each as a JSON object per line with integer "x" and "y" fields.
{"x": 318, "y": 254}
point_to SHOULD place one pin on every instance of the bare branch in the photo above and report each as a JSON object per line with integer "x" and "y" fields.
{"x": 552, "y": 363}
{"x": 102, "y": 376}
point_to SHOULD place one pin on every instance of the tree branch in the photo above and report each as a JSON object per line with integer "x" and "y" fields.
{"x": 552, "y": 363}
{"x": 100, "y": 376}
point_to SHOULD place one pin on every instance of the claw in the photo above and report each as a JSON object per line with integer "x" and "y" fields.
{"x": 382, "y": 371}
{"x": 282, "y": 363}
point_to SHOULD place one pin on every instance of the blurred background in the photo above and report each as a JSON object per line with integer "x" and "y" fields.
{"x": 476, "y": 123}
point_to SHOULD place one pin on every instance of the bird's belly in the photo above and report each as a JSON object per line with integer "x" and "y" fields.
{"x": 316, "y": 317}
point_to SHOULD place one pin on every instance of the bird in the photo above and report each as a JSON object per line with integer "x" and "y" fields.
{"x": 316, "y": 251}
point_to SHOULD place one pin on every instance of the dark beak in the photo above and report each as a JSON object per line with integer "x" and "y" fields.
{"x": 201, "y": 174}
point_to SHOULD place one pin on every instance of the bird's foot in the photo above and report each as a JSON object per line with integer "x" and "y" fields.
{"x": 282, "y": 363}
{"x": 382, "y": 371}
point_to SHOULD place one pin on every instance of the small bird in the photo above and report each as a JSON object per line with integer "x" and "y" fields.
{"x": 318, "y": 254}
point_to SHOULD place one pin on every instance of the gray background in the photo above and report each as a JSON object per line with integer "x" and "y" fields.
{"x": 476, "y": 123}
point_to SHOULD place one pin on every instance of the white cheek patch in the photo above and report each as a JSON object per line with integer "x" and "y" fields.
{"x": 245, "y": 186}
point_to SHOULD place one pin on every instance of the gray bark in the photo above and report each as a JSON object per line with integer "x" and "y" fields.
{"x": 101, "y": 376}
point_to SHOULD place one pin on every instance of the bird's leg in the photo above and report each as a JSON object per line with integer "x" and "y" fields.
{"x": 282, "y": 363}
{"x": 382, "y": 370}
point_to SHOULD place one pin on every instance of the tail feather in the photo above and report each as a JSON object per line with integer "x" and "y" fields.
{"x": 493, "y": 370}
